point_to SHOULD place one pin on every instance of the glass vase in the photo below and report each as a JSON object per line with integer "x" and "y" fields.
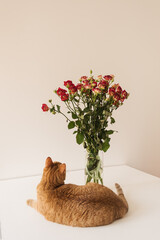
{"x": 94, "y": 167}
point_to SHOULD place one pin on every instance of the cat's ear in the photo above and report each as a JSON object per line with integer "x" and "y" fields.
{"x": 48, "y": 162}
{"x": 62, "y": 168}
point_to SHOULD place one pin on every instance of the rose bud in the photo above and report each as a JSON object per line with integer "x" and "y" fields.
{"x": 99, "y": 77}
{"x": 111, "y": 91}
{"x": 68, "y": 83}
{"x": 45, "y": 108}
{"x": 112, "y": 76}
{"x": 88, "y": 86}
{"x": 116, "y": 96}
{"x": 73, "y": 89}
{"x": 115, "y": 85}
{"x": 108, "y": 77}
{"x": 94, "y": 84}
{"x": 125, "y": 94}
{"x": 60, "y": 91}
{"x": 119, "y": 89}
{"x": 84, "y": 78}
{"x": 79, "y": 86}
{"x": 64, "y": 97}
{"x": 96, "y": 90}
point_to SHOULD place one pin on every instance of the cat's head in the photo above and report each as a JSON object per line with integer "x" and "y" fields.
{"x": 54, "y": 173}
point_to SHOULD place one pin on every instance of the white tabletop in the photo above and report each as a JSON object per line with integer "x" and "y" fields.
{"x": 20, "y": 222}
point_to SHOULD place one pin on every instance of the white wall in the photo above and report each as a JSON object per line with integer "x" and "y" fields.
{"x": 45, "y": 42}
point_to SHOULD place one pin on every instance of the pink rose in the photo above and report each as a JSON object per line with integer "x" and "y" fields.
{"x": 101, "y": 86}
{"x": 45, "y": 108}
{"x": 96, "y": 90}
{"x": 88, "y": 86}
{"x": 94, "y": 84}
{"x": 99, "y": 77}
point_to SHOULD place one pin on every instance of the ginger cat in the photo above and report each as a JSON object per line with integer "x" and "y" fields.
{"x": 79, "y": 206}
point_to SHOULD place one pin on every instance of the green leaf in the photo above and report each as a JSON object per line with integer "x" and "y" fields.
{"x": 86, "y": 118}
{"x": 112, "y": 120}
{"x": 58, "y": 108}
{"x": 86, "y": 109}
{"x": 78, "y": 123}
{"x": 89, "y": 178}
{"x": 106, "y": 145}
{"x": 71, "y": 125}
{"x": 74, "y": 132}
{"x": 79, "y": 137}
{"x": 109, "y": 132}
{"x": 74, "y": 116}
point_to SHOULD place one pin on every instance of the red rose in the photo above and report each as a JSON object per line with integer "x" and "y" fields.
{"x": 45, "y": 108}
{"x": 111, "y": 91}
{"x": 105, "y": 83}
{"x": 68, "y": 83}
{"x": 119, "y": 89}
{"x": 85, "y": 82}
{"x": 64, "y": 97}
{"x": 84, "y": 78}
{"x": 116, "y": 96}
{"x": 124, "y": 94}
{"x": 79, "y": 86}
{"x": 122, "y": 99}
{"x": 108, "y": 77}
{"x": 61, "y": 91}
{"x": 73, "y": 89}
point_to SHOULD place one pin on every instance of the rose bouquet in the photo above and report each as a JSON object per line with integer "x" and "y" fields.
{"x": 90, "y": 105}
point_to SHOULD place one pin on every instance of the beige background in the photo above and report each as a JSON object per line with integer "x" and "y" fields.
{"x": 45, "y": 42}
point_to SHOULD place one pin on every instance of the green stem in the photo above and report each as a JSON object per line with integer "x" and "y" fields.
{"x": 68, "y": 106}
{"x": 63, "y": 115}
{"x": 73, "y": 106}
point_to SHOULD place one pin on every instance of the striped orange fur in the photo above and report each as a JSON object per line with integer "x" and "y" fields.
{"x": 81, "y": 206}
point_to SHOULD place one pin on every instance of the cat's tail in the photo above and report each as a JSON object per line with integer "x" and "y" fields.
{"x": 121, "y": 194}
